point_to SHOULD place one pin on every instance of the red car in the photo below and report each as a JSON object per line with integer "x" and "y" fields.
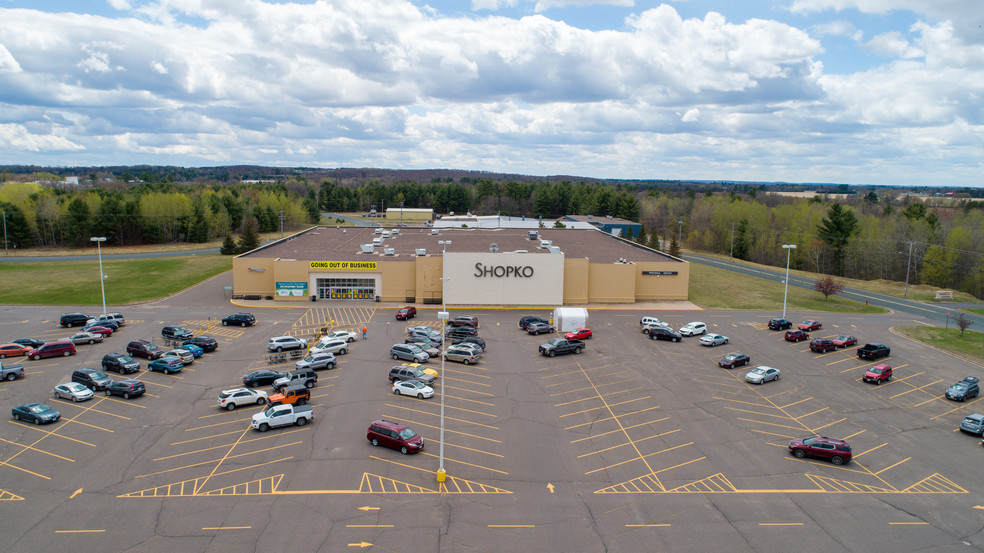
{"x": 878, "y": 374}
{"x": 406, "y": 313}
{"x": 13, "y": 350}
{"x": 838, "y": 451}
{"x": 810, "y": 325}
{"x": 796, "y": 335}
{"x": 844, "y": 341}
{"x": 102, "y": 330}
{"x": 579, "y": 334}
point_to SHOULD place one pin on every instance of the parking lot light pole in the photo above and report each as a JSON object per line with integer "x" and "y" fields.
{"x": 443, "y": 317}
{"x": 788, "y": 248}
{"x": 102, "y": 277}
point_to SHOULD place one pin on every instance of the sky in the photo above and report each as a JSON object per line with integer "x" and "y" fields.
{"x": 885, "y": 92}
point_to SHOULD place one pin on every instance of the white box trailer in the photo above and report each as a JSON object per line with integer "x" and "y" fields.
{"x": 567, "y": 319}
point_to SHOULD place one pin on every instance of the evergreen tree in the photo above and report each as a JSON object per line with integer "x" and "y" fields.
{"x": 742, "y": 240}
{"x": 654, "y": 240}
{"x": 78, "y": 222}
{"x": 641, "y": 237}
{"x": 836, "y": 229}
{"x": 674, "y": 247}
{"x": 228, "y": 245}
{"x": 249, "y": 240}
{"x": 18, "y": 232}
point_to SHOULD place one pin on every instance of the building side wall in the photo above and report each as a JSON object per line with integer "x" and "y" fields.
{"x": 292, "y": 271}
{"x": 251, "y": 275}
{"x": 492, "y": 279}
{"x": 400, "y": 279}
{"x": 428, "y": 279}
{"x": 662, "y": 287}
{"x": 576, "y": 281}
{"x": 611, "y": 283}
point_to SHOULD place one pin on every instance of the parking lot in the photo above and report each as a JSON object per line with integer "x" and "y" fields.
{"x": 632, "y": 445}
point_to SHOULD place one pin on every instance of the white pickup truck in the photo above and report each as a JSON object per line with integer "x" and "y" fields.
{"x": 10, "y": 372}
{"x": 282, "y": 415}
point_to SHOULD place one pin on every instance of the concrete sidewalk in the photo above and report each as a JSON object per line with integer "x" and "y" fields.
{"x": 349, "y": 304}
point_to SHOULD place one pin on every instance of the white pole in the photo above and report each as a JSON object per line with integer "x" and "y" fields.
{"x": 443, "y": 316}
{"x": 907, "y": 264}
{"x": 789, "y": 248}
{"x": 102, "y": 276}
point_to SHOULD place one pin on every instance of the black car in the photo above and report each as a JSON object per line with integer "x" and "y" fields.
{"x": 470, "y": 340}
{"x": 127, "y": 388}
{"x": 207, "y": 343}
{"x": 422, "y": 341}
{"x": 72, "y": 319}
{"x": 239, "y": 319}
{"x": 93, "y": 379}
{"x": 462, "y": 331}
{"x": 262, "y": 377}
{"x": 120, "y": 363}
{"x": 465, "y": 320}
{"x": 780, "y": 324}
{"x": 660, "y": 333}
{"x": 176, "y": 332}
{"x": 108, "y": 323}
{"x": 29, "y": 342}
{"x": 529, "y": 319}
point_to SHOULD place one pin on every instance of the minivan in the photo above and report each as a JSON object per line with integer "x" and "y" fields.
{"x": 395, "y": 436}
{"x": 52, "y": 349}
{"x": 409, "y": 352}
{"x": 94, "y": 379}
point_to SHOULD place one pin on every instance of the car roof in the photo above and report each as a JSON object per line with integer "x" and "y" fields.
{"x": 388, "y": 424}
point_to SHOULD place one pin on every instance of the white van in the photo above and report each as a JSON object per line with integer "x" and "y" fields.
{"x": 115, "y": 317}
{"x": 646, "y": 321}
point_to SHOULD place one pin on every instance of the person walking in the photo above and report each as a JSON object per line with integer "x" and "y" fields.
{"x": 363, "y": 333}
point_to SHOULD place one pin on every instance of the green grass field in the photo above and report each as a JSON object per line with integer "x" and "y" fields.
{"x": 970, "y": 346}
{"x": 128, "y": 281}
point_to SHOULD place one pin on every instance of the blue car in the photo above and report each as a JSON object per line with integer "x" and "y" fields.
{"x": 195, "y": 350}
{"x": 167, "y": 365}
{"x": 38, "y": 413}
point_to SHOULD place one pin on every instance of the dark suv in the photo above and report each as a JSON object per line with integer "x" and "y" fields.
{"x": 462, "y": 331}
{"x": 94, "y": 379}
{"x": 409, "y": 372}
{"x": 822, "y": 345}
{"x": 207, "y": 343}
{"x": 395, "y": 436}
{"x": 779, "y": 324}
{"x": 72, "y": 319}
{"x": 239, "y": 319}
{"x": 306, "y": 377}
{"x": 143, "y": 348}
{"x": 660, "y": 333}
{"x": 120, "y": 363}
{"x": 176, "y": 332}
{"x": 795, "y": 335}
{"x": 523, "y": 322}
{"x": 837, "y": 451}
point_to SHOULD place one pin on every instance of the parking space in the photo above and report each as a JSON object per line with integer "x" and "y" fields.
{"x": 647, "y": 439}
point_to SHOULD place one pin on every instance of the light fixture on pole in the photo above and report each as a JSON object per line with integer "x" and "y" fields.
{"x": 102, "y": 276}
{"x": 907, "y": 264}
{"x": 443, "y": 316}
{"x": 789, "y": 248}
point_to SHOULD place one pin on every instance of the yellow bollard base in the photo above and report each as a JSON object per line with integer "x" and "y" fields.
{"x": 441, "y": 475}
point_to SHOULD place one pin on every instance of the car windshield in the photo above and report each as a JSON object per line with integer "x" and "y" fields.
{"x": 418, "y": 385}
{"x": 809, "y": 441}
{"x": 407, "y": 434}
{"x": 758, "y": 371}
{"x": 415, "y": 348}
{"x": 76, "y": 387}
{"x": 310, "y": 358}
{"x": 98, "y": 374}
{"x": 876, "y": 371}
{"x": 731, "y": 357}
{"x": 960, "y": 386}
{"x": 38, "y": 408}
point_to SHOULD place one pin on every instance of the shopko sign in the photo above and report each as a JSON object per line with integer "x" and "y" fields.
{"x": 501, "y": 271}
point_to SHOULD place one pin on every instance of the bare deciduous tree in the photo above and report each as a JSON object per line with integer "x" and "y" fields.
{"x": 827, "y": 286}
{"x": 963, "y": 321}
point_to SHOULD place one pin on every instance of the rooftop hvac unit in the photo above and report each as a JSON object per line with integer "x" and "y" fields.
{"x": 433, "y": 231}
{"x": 532, "y": 234}
{"x": 545, "y": 243}
{"x": 389, "y": 251}
{"x": 395, "y": 231}
{"x": 378, "y": 230}
{"x": 386, "y": 234}
{"x": 553, "y": 249}
{"x": 421, "y": 251}
{"x": 377, "y": 241}
{"x": 520, "y": 251}
{"x": 367, "y": 248}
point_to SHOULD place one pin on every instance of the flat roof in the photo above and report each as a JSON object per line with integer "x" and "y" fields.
{"x": 344, "y": 244}
{"x": 601, "y": 220}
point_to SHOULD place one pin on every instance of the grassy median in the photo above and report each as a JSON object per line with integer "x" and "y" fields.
{"x": 970, "y": 346}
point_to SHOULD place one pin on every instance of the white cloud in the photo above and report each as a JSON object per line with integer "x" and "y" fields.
{"x": 838, "y": 28}
{"x": 893, "y": 45}
{"x": 7, "y": 62}
{"x": 18, "y": 138}
{"x": 544, "y": 5}
{"x": 692, "y": 115}
{"x": 966, "y": 15}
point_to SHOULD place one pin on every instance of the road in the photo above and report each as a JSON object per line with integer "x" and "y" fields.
{"x": 942, "y": 314}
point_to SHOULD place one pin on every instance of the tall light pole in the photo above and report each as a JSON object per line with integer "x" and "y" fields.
{"x": 102, "y": 276}
{"x": 443, "y": 316}
{"x": 789, "y": 248}
{"x": 680, "y": 235}
{"x": 907, "y": 264}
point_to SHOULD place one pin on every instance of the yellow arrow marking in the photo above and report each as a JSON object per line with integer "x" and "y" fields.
{"x": 550, "y": 487}
{"x": 360, "y": 544}
{"x": 979, "y": 506}
{"x": 77, "y": 492}
{"x": 367, "y": 508}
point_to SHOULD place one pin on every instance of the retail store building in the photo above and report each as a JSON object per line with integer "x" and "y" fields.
{"x": 480, "y": 266}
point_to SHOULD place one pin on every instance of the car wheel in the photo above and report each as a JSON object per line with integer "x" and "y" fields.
{"x": 225, "y": 323}
{"x": 11, "y": 377}
{"x": 301, "y": 401}
{"x": 280, "y": 349}
{"x": 67, "y": 353}
{"x": 877, "y": 382}
{"x": 552, "y": 353}
{"x": 837, "y": 460}
{"x": 36, "y": 357}
{"x": 259, "y": 401}
{"x": 577, "y": 350}
{"x": 675, "y": 339}
{"x": 126, "y": 395}
{"x": 395, "y": 356}
{"x": 420, "y": 396}
{"x": 264, "y": 427}
{"x": 16, "y": 417}
{"x": 725, "y": 341}
{"x": 92, "y": 342}
{"x": 799, "y": 453}
{"x": 107, "y": 392}
{"x": 396, "y": 391}
{"x": 331, "y": 366}
{"x": 253, "y": 384}
{"x": 75, "y": 399}
{"x": 166, "y": 371}
{"x": 301, "y": 421}
{"x": 404, "y": 450}
{"x": 350, "y": 339}
{"x": 465, "y": 361}
{"x": 341, "y": 351}
{"x": 309, "y": 384}
{"x": 37, "y": 421}
{"x": 375, "y": 442}
{"x": 3, "y": 355}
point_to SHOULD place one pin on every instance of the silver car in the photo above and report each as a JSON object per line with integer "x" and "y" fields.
{"x": 184, "y": 355}
{"x": 280, "y": 343}
{"x": 73, "y": 391}
{"x": 346, "y": 335}
{"x": 461, "y": 355}
{"x": 762, "y": 374}
{"x": 85, "y": 338}
{"x": 469, "y": 345}
{"x": 973, "y": 424}
{"x": 325, "y": 345}
{"x": 713, "y": 340}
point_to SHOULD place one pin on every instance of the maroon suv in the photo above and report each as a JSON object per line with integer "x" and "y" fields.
{"x": 796, "y": 335}
{"x": 52, "y": 349}
{"x": 406, "y": 313}
{"x": 395, "y": 436}
{"x": 822, "y": 345}
{"x": 143, "y": 348}
{"x": 837, "y": 451}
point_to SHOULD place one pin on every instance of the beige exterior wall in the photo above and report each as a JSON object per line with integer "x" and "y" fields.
{"x": 611, "y": 283}
{"x": 662, "y": 287}
{"x": 428, "y": 279}
{"x": 576, "y": 281}
{"x": 393, "y": 215}
{"x": 252, "y": 275}
{"x": 400, "y": 279}
{"x": 537, "y": 283}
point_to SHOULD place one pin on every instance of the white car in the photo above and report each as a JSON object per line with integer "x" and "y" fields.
{"x": 328, "y": 345}
{"x": 713, "y": 340}
{"x": 412, "y": 388}
{"x": 347, "y": 335}
{"x": 73, "y": 391}
{"x": 650, "y": 321}
{"x": 648, "y": 327}
{"x": 280, "y": 343}
{"x": 693, "y": 329}
{"x": 184, "y": 355}
{"x": 85, "y": 338}
{"x": 762, "y": 374}
{"x": 236, "y": 397}
{"x": 114, "y": 317}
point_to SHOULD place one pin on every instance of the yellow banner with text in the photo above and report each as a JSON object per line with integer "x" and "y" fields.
{"x": 345, "y": 265}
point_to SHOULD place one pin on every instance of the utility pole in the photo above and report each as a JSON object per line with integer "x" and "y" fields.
{"x": 732, "y": 255}
{"x": 5, "y": 250}
{"x": 282, "y": 219}
{"x": 907, "y": 264}
{"x": 680, "y": 235}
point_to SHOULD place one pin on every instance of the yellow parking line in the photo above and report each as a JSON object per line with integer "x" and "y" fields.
{"x": 592, "y": 436}
{"x": 574, "y": 391}
{"x": 643, "y": 457}
{"x": 869, "y": 451}
{"x": 459, "y": 446}
{"x": 32, "y": 448}
{"x": 228, "y": 445}
{"x": 740, "y": 401}
{"x": 615, "y": 418}
{"x": 52, "y": 433}
{"x": 468, "y": 390}
{"x": 829, "y": 425}
{"x": 773, "y": 424}
{"x": 586, "y": 387}
{"x": 446, "y": 458}
{"x": 599, "y": 396}
{"x": 216, "y": 424}
{"x": 928, "y": 400}
{"x": 916, "y": 389}
{"x": 891, "y": 466}
{"x": 964, "y": 404}
{"x": 468, "y": 381}
{"x": 6, "y": 464}
{"x": 855, "y": 434}
{"x": 840, "y": 361}
{"x": 446, "y": 430}
{"x": 773, "y": 434}
{"x": 795, "y": 403}
{"x": 785, "y": 417}
{"x": 606, "y": 406}
{"x": 205, "y": 438}
{"x": 808, "y": 414}
{"x": 633, "y": 442}
{"x": 219, "y": 460}
{"x": 448, "y": 418}
{"x": 471, "y": 400}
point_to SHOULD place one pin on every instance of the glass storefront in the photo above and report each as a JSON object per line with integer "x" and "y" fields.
{"x": 346, "y": 288}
